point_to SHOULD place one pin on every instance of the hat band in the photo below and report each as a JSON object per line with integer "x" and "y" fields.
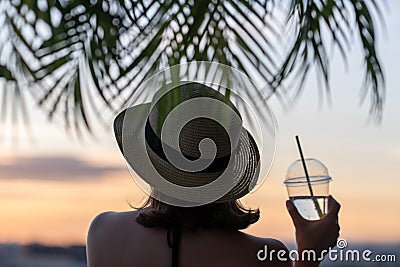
{"x": 154, "y": 143}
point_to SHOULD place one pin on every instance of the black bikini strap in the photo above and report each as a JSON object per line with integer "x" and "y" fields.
{"x": 174, "y": 244}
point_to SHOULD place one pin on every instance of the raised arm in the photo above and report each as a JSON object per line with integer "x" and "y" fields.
{"x": 318, "y": 235}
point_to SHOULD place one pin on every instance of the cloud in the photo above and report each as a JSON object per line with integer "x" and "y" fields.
{"x": 54, "y": 168}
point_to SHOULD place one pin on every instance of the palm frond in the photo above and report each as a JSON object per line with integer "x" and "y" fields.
{"x": 321, "y": 21}
{"x": 228, "y": 32}
{"x": 78, "y": 55}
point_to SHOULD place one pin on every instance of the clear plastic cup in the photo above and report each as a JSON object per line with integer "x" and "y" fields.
{"x": 310, "y": 196}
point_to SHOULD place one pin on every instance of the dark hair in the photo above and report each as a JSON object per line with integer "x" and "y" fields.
{"x": 230, "y": 215}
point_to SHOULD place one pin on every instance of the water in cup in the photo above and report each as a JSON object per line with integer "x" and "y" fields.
{"x": 309, "y": 195}
{"x": 306, "y": 206}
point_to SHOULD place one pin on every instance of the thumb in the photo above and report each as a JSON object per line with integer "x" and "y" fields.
{"x": 296, "y": 217}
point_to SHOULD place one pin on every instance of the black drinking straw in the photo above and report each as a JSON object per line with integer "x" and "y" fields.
{"x": 316, "y": 204}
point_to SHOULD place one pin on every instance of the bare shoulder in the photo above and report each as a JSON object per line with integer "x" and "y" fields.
{"x": 267, "y": 251}
{"x": 102, "y": 223}
{"x": 270, "y": 242}
{"x": 111, "y": 218}
{"x": 258, "y": 239}
{"x": 106, "y": 234}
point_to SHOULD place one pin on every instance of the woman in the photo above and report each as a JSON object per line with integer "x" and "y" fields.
{"x": 193, "y": 216}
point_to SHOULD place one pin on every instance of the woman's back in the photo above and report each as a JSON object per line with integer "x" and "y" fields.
{"x": 116, "y": 239}
{"x": 189, "y": 189}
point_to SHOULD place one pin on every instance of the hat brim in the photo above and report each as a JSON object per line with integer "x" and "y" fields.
{"x": 238, "y": 179}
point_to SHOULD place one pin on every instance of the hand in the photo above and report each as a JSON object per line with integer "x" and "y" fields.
{"x": 316, "y": 235}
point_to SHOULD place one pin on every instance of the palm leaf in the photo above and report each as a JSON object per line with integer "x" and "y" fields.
{"x": 331, "y": 18}
{"x": 70, "y": 50}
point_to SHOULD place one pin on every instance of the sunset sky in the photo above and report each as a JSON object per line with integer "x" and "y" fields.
{"x": 53, "y": 184}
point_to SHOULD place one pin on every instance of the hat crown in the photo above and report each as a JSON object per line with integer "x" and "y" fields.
{"x": 194, "y": 112}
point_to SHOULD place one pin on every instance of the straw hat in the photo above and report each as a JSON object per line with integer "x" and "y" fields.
{"x": 189, "y": 145}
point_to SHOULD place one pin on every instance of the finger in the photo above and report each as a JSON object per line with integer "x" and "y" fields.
{"x": 294, "y": 214}
{"x": 333, "y": 207}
